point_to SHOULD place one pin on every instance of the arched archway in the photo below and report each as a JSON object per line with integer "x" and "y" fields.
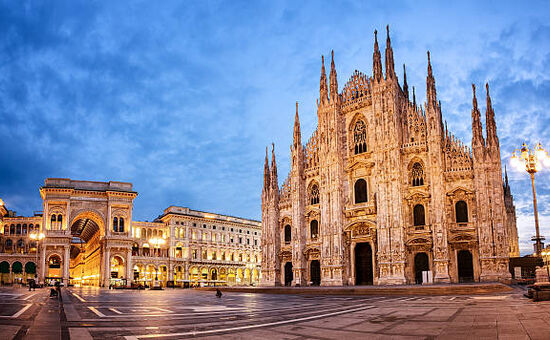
{"x": 289, "y": 276}
{"x": 363, "y": 264}
{"x": 4, "y": 272}
{"x": 465, "y": 266}
{"x": 421, "y": 264}
{"x": 87, "y": 227}
{"x": 55, "y": 270}
{"x": 315, "y": 272}
{"x": 117, "y": 271}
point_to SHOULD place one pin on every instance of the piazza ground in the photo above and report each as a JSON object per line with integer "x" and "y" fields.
{"x": 99, "y": 313}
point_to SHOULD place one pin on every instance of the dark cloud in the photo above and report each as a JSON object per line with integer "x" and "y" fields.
{"x": 182, "y": 98}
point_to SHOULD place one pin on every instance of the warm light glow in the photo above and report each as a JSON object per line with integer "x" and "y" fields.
{"x": 37, "y": 236}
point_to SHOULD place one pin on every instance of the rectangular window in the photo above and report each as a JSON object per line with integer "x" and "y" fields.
{"x": 240, "y": 240}
{"x": 255, "y": 242}
{"x": 213, "y": 237}
{"x": 223, "y": 228}
{"x": 194, "y": 254}
{"x": 248, "y": 231}
{"x": 213, "y": 227}
{"x": 247, "y": 241}
{"x": 204, "y": 236}
{"x": 232, "y": 240}
{"x": 194, "y": 235}
{"x": 223, "y": 238}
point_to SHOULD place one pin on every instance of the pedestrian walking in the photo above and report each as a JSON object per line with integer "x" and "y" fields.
{"x": 218, "y": 293}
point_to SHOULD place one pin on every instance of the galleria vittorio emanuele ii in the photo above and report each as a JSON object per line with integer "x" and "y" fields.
{"x": 384, "y": 193}
{"x": 85, "y": 236}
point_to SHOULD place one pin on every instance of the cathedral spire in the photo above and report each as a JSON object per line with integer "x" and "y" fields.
{"x": 390, "y": 71}
{"x": 323, "y": 89}
{"x": 405, "y": 85}
{"x": 477, "y": 130}
{"x": 267, "y": 179}
{"x": 297, "y": 133}
{"x": 376, "y": 60}
{"x": 431, "y": 96}
{"x": 333, "y": 79}
{"x": 274, "y": 179}
{"x": 492, "y": 138}
{"x": 414, "y": 98}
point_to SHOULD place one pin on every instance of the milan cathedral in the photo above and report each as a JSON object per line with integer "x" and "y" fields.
{"x": 383, "y": 193}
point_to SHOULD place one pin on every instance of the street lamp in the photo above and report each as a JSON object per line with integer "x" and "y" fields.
{"x": 157, "y": 242}
{"x": 532, "y": 161}
{"x": 36, "y": 236}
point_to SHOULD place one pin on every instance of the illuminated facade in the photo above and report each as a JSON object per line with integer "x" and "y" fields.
{"x": 86, "y": 236}
{"x": 384, "y": 193}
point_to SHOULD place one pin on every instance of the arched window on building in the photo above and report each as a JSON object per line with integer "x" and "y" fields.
{"x": 6, "y": 230}
{"x": 360, "y": 191}
{"x": 18, "y": 230}
{"x": 21, "y": 246}
{"x": 418, "y": 214}
{"x": 360, "y": 137}
{"x": 314, "y": 229}
{"x": 52, "y": 222}
{"x": 121, "y": 224}
{"x": 9, "y": 244}
{"x": 461, "y": 212}
{"x": 115, "y": 224}
{"x": 288, "y": 234}
{"x": 12, "y": 229}
{"x": 314, "y": 194}
{"x": 59, "y": 222}
{"x": 31, "y": 228}
{"x": 25, "y": 229}
{"x": 417, "y": 175}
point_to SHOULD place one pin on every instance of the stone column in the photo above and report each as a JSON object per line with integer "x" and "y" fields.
{"x": 129, "y": 269}
{"x": 107, "y": 267}
{"x": 66, "y": 261}
{"x": 42, "y": 263}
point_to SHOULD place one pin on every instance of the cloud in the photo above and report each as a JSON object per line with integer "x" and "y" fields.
{"x": 181, "y": 99}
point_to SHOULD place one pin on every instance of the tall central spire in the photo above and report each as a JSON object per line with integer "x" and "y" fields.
{"x": 323, "y": 90}
{"x": 333, "y": 79}
{"x": 274, "y": 179}
{"x": 390, "y": 72}
{"x": 376, "y": 60}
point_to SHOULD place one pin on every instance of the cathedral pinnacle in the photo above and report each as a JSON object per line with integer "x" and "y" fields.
{"x": 405, "y": 85}
{"x": 492, "y": 138}
{"x": 390, "y": 72}
{"x": 376, "y": 60}
{"x": 323, "y": 90}
{"x": 477, "y": 130}
{"x": 274, "y": 179}
{"x": 267, "y": 179}
{"x": 297, "y": 133}
{"x": 414, "y": 98}
{"x": 333, "y": 79}
{"x": 431, "y": 95}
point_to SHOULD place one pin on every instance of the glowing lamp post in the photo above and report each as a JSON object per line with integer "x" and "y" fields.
{"x": 36, "y": 236}
{"x": 532, "y": 161}
{"x": 157, "y": 242}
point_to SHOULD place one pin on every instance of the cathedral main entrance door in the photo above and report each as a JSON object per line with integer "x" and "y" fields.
{"x": 315, "y": 272}
{"x": 421, "y": 263}
{"x": 363, "y": 264}
{"x": 465, "y": 266}
{"x": 288, "y": 274}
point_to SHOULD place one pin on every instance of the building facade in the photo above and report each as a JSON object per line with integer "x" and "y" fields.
{"x": 384, "y": 193}
{"x": 86, "y": 235}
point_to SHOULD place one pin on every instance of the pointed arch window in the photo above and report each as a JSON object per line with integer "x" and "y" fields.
{"x": 314, "y": 229}
{"x": 417, "y": 175}
{"x": 461, "y": 212}
{"x": 360, "y": 191}
{"x": 314, "y": 194}
{"x": 419, "y": 215}
{"x": 288, "y": 234}
{"x": 360, "y": 137}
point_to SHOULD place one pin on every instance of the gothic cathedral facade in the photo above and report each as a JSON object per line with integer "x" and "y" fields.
{"x": 383, "y": 193}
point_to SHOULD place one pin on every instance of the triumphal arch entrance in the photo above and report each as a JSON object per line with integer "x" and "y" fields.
{"x": 87, "y": 231}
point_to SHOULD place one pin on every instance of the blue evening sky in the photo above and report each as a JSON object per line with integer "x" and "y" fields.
{"x": 181, "y": 98}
